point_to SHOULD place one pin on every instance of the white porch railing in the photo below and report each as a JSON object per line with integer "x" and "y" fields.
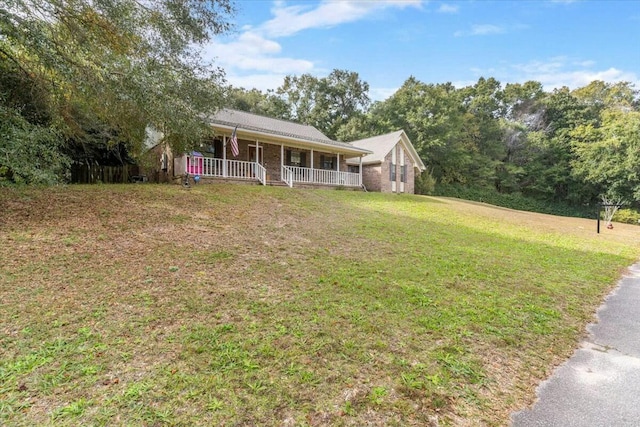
{"x": 237, "y": 169}
{"x": 220, "y": 168}
{"x": 287, "y": 175}
{"x": 291, "y": 174}
{"x": 261, "y": 173}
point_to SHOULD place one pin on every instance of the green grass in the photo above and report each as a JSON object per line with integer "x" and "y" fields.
{"x": 245, "y": 305}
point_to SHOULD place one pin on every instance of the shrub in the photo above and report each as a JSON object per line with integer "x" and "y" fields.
{"x": 425, "y": 183}
{"x": 628, "y": 216}
{"x": 514, "y": 201}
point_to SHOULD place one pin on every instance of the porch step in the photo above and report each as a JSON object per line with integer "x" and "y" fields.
{"x": 277, "y": 184}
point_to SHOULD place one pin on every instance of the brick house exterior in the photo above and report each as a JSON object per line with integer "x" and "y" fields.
{"x": 269, "y": 151}
{"x": 392, "y": 165}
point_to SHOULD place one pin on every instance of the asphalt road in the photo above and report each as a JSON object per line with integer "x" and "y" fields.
{"x": 599, "y": 386}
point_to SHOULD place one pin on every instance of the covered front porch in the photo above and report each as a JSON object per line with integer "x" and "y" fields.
{"x": 268, "y": 163}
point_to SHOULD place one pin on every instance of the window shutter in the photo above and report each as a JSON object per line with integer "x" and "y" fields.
{"x": 321, "y": 161}
{"x": 392, "y": 170}
{"x": 334, "y": 162}
{"x": 303, "y": 160}
{"x": 288, "y": 161}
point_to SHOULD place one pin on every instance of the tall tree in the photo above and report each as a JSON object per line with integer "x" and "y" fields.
{"x": 608, "y": 155}
{"x": 257, "y": 102}
{"x": 124, "y": 64}
{"x": 328, "y": 102}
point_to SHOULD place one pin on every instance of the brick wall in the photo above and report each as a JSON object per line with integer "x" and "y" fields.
{"x": 371, "y": 177}
{"x": 409, "y": 186}
{"x": 376, "y": 177}
{"x": 271, "y": 158}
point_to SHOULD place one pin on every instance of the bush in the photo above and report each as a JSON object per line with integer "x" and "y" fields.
{"x": 425, "y": 183}
{"x": 29, "y": 154}
{"x": 514, "y": 201}
{"x": 628, "y": 216}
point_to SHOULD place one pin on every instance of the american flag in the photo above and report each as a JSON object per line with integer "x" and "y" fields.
{"x": 234, "y": 143}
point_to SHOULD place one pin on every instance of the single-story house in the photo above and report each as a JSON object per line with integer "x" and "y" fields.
{"x": 268, "y": 151}
{"x": 253, "y": 148}
{"x": 391, "y": 165}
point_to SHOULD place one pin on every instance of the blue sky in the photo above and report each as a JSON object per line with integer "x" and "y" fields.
{"x": 558, "y": 43}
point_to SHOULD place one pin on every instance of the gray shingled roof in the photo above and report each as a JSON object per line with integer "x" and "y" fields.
{"x": 381, "y": 145}
{"x": 258, "y": 123}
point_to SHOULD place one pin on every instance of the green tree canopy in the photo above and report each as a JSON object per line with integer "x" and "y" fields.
{"x": 326, "y": 103}
{"x": 115, "y": 65}
{"x": 608, "y": 155}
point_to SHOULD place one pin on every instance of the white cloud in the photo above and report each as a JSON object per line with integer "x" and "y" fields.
{"x": 254, "y": 58}
{"x": 550, "y": 66}
{"x": 262, "y": 82}
{"x": 381, "y": 93}
{"x": 579, "y": 78}
{"x": 289, "y": 20}
{"x": 250, "y": 51}
{"x": 587, "y": 63}
{"x": 481, "y": 30}
{"x": 448, "y": 8}
{"x": 559, "y": 71}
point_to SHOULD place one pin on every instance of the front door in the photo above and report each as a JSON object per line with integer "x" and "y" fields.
{"x": 252, "y": 154}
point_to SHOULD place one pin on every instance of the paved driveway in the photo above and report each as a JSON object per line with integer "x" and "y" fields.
{"x": 600, "y": 384}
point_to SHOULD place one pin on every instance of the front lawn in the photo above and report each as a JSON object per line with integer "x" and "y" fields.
{"x": 248, "y": 305}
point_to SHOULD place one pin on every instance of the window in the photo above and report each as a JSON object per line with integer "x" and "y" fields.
{"x": 296, "y": 158}
{"x": 327, "y": 162}
{"x": 403, "y": 166}
{"x": 392, "y": 170}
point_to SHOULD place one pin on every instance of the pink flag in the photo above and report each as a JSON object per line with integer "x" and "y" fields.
{"x": 234, "y": 143}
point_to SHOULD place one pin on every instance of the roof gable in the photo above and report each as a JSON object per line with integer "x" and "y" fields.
{"x": 382, "y": 145}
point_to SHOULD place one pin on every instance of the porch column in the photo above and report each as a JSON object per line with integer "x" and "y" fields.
{"x": 338, "y": 163}
{"x": 360, "y": 169}
{"x": 224, "y": 156}
{"x": 313, "y": 178}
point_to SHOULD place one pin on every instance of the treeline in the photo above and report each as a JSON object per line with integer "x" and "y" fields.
{"x": 561, "y": 148}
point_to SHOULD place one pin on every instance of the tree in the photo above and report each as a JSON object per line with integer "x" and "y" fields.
{"x": 548, "y": 172}
{"x": 257, "y": 102}
{"x": 456, "y": 131}
{"x": 608, "y": 156}
{"x": 326, "y": 103}
{"x": 521, "y": 103}
{"x": 123, "y": 64}
{"x": 602, "y": 95}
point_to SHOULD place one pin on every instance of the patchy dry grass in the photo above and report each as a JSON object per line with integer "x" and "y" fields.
{"x": 241, "y": 305}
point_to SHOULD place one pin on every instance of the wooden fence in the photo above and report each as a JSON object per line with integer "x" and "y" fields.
{"x": 82, "y": 173}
